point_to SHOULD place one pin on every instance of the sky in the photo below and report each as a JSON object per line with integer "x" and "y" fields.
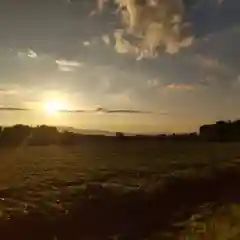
{"x": 120, "y": 65}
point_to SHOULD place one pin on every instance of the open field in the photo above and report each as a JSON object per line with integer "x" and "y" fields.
{"x": 121, "y": 190}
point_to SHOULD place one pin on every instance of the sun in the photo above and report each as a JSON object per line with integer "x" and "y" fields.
{"x": 53, "y": 106}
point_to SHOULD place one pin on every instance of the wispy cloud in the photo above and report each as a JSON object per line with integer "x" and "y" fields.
{"x": 214, "y": 66}
{"x": 32, "y": 54}
{"x": 8, "y": 91}
{"x": 67, "y": 66}
{"x": 29, "y": 53}
{"x": 106, "y": 39}
{"x": 108, "y": 111}
{"x": 208, "y": 62}
{"x": 208, "y": 81}
{"x": 153, "y": 83}
{"x": 93, "y": 111}
{"x": 86, "y": 43}
{"x": 13, "y": 109}
{"x": 68, "y": 63}
{"x": 181, "y": 86}
{"x": 104, "y": 110}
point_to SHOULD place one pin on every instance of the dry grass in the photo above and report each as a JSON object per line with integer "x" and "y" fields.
{"x": 121, "y": 190}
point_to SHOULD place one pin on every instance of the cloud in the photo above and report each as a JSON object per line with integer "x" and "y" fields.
{"x": 181, "y": 86}
{"x": 213, "y": 65}
{"x": 13, "y": 109}
{"x": 209, "y": 80}
{"x": 131, "y": 111}
{"x": 67, "y": 66}
{"x": 97, "y": 110}
{"x": 148, "y": 25}
{"x": 108, "y": 111}
{"x": 8, "y": 91}
{"x": 122, "y": 45}
{"x": 68, "y": 63}
{"x": 100, "y": 5}
{"x": 237, "y": 82}
{"x": 86, "y": 43}
{"x": 208, "y": 62}
{"x": 220, "y": 2}
{"x": 106, "y": 39}
{"x": 153, "y": 83}
{"x": 75, "y": 111}
{"x": 32, "y": 54}
{"x": 29, "y": 53}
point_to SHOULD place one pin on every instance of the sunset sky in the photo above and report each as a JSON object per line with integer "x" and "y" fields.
{"x": 77, "y": 56}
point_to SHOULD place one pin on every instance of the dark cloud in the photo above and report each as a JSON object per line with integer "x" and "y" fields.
{"x": 97, "y": 110}
{"x": 13, "y": 109}
{"x": 107, "y": 111}
{"x": 104, "y": 110}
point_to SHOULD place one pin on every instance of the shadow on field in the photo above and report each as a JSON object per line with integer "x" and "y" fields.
{"x": 98, "y": 212}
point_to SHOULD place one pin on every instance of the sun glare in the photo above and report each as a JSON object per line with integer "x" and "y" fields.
{"x": 52, "y": 107}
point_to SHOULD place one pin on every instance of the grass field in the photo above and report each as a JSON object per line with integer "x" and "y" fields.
{"x": 121, "y": 190}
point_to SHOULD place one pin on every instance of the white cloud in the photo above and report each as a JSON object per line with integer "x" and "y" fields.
{"x": 153, "y": 83}
{"x": 106, "y": 39}
{"x": 68, "y": 63}
{"x": 86, "y": 43}
{"x": 32, "y": 54}
{"x": 29, "y": 53}
{"x": 67, "y": 66}
{"x": 238, "y": 79}
{"x": 152, "y": 24}
{"x": 123, "y": 46}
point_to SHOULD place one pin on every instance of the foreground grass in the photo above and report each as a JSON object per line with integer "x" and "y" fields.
{"x": 146, "y": 192}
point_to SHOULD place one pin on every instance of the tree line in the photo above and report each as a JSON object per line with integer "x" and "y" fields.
{"x": 46, "y": 135}
{"x": 221, "y": 131}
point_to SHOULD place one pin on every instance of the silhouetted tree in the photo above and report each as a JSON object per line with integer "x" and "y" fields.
{"x": 221, "y": 131}
{"x": 119, "y": 135}
{"x": 15, "y": 135}
{"x": 44, "y": 135}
